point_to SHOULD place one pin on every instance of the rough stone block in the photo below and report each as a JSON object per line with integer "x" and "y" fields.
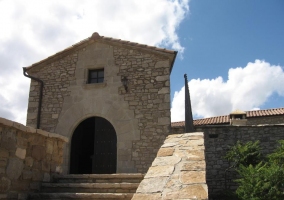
{"x": 164, "y": 90}
{"x": 6, "y": 122}
{"x": 8, "y": 144}
{"x": 27, "y": 174}
{"x": 42, "y": 132}
{"x": 190, "y": 177}
{"x": 21, "y": 153}
{"x": 164, "y": 121}
{"x": 45, "y": 166}
{"x": 194, "y": 166}
{"x": 49, "y": 146}
{"x": 20, "y": 126}
{"x": 168, "y": 160}
{"x": 38, "y": 152}
{"x": 5, "y": 184}
{"x": 31, "y": 116}
{"x": 159, "y": 171}
{"x": 152, "y": 185}
{"x": 189, "y": 192}
{"x": 31, "y": 129}
{"x": 165, "y": 152}
{"x": 29, "y": 161}
{"x": 162, "y": 78}
{"x": 22, "y": 142}
{"x": 162, "y": 64}
{"x": 14, "y": 168}
{"x": 4, "y": 153}
{"x": 3, "y": 162}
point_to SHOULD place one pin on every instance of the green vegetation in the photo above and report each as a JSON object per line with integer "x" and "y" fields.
{"x": 260, "y": 178}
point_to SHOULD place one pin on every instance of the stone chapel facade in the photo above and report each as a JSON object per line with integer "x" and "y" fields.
{"x": 110, "y": 97}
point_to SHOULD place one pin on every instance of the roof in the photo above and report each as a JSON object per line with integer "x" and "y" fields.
{"x": 225, "y": 119}
{"x": 268, "y": 112}
{"x": 96, "y": 37}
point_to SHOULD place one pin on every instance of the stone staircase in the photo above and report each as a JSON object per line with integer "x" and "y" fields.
{"x": 90, "y": 186}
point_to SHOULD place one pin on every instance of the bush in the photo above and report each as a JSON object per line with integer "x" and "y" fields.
{"x": 261, "y": 178}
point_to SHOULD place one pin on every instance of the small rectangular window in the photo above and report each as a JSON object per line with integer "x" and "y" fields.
{"x": 96, "y": 76}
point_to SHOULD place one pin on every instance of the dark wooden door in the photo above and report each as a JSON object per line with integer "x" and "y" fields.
{"x": 93, "y": 147}
{"x": 104, "y": 159}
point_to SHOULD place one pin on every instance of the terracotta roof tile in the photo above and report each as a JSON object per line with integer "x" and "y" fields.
{"x": 268, "y": 112}
{"x": 225, "y": 119}
{"x": 96, "y": 36}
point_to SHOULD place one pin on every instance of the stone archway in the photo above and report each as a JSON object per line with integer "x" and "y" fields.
{"x": 93, "y": 147}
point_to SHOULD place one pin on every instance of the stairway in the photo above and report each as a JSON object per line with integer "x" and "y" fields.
{"x": 90, "y": 186}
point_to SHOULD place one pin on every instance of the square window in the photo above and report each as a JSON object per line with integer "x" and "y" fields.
{"x": 96, "y": 76}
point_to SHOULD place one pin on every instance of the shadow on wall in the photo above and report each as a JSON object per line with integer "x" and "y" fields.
{"x": 28, "y": 157}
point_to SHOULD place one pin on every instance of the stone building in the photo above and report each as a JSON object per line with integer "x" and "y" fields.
{"x": 110, "y": 97}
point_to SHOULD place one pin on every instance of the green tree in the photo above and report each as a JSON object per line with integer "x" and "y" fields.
{"x": 244, "y": 154}
{"x": 261, "y": 178}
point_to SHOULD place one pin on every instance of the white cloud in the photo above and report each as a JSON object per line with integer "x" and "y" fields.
{"x": 32, "y": 30}
{"x": 247, "y": 88}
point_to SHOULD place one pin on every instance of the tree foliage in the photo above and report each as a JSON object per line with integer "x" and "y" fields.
{"x": 261, "y": 178}
{"x": 244, "y": 154}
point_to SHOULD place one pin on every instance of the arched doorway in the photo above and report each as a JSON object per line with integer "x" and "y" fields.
{"x": 93, "y": 147}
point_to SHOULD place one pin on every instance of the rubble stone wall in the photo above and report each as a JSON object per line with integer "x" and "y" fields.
{"x": 148, "y": 98}
{"x": 178, "y": 171}
{"x": 217, "y": 142}
{"x": 265, "y": 120}
{"x": 28, "y": 157}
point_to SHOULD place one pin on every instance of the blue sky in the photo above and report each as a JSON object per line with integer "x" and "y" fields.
{"x": 231, "y": 50}
{"x": 219, "y": 35}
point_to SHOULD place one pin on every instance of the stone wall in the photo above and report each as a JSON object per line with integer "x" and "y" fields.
{"x": 178, "y": 171}
{"x": 28, "y": 157}
{"x": 217, "y": 142}
{"x": 60, "y": 74}
{"x": 140, "y": 116}
{"x": 265, "y": 120}
{"x": 149, "y": 98}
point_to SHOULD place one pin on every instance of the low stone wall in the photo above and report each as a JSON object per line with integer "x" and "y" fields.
{"x": 178, "y": 171}
{"x": 218, "y": 139}
{"x": 28, "y": 157}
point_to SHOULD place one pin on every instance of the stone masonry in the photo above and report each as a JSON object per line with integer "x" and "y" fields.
{"x": 265, "y": 120}
{"x": 60, "y": 74}
{"x": 149, "y": 99}
{"x": 218, "y": 139}
{"x": 140, "y": 116}
{"x": 28, "y": 157}
{"x": 178, "y": 171}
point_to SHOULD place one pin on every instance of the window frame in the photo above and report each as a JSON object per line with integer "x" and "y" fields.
{"x": 98, "y": 78}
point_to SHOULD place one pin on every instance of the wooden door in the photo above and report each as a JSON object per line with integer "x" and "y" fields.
{"x": 104, "y": 159}
{"x": 93, "y": 147}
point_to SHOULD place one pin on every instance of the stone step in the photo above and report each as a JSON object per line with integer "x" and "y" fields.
{"x": 99, "y": 178}
{"x": 64, "y": 196}
{"x": 90, "y": 187}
